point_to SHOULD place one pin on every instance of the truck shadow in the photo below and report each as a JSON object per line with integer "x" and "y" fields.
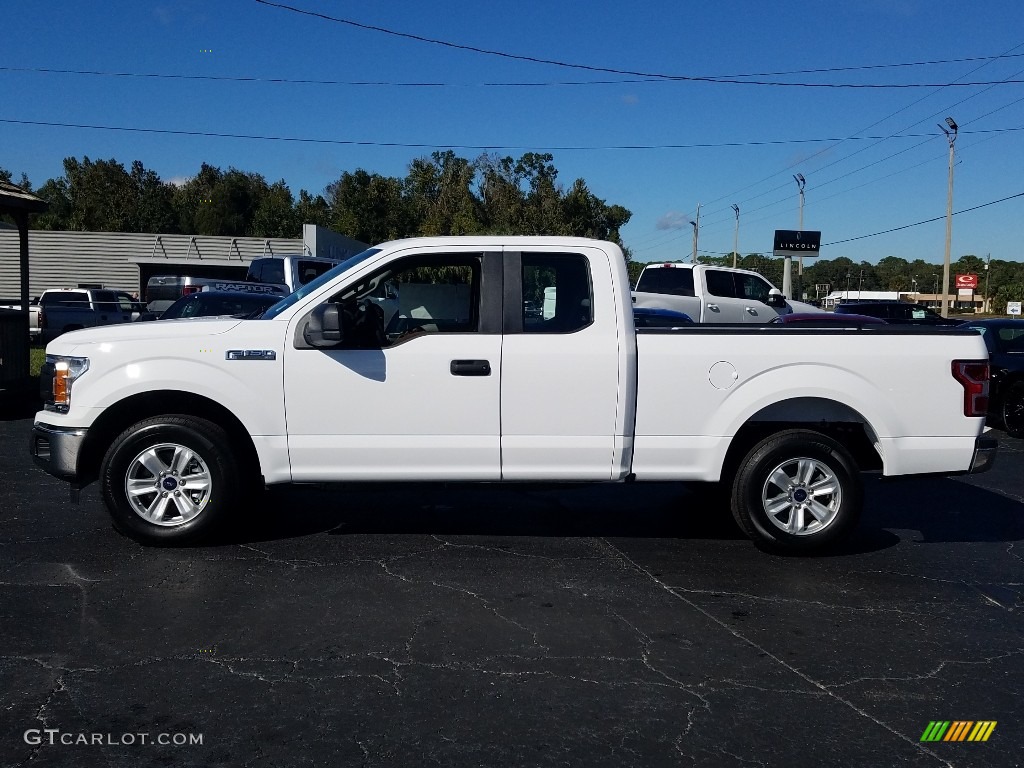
{"x": 922, "y": 509}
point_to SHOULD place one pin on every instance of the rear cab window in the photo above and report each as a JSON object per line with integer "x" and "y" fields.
{"x": 672, "y": 281}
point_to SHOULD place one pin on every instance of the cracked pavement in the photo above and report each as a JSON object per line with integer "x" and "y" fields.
{"x": 512, "y": 626}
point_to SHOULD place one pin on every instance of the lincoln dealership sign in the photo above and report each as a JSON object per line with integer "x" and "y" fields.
{"x": 789, "y": 242}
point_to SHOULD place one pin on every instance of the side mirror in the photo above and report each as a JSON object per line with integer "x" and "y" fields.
{"x": 324, "y": 326}
{"x": 775, "y": 298}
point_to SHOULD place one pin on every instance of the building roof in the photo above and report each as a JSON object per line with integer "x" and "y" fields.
{"x": 13, "y": 199}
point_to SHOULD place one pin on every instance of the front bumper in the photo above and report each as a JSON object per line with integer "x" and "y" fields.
{"x": 56, "y": 449}
{"x": 985, "y": 449}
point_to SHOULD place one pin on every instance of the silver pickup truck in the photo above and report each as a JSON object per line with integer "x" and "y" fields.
{"x": 71, "y": 309}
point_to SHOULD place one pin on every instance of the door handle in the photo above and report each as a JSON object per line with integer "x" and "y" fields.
{"x": 471, "y": 368}
{"x": 751, "y": 310}
{"x": 713, "y": 307}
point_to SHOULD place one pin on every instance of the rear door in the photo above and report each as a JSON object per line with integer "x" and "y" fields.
{"x": 721, "y": 304}
{"x": 561, "y": 380}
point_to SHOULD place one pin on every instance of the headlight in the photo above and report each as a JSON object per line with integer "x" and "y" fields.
{"x": 66, "y": 371}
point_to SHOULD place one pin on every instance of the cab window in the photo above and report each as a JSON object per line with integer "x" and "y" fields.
{"x": 557, "y": 293}
{"x": 720, "y": 283}
{"x": 410, "y": 298}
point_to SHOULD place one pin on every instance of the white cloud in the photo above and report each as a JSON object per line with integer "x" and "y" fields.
{"x": 673, "y": 220}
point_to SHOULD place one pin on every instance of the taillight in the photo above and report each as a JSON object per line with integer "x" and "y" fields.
{"x": 41, "y": 318}
{"x": 973, "y": 376}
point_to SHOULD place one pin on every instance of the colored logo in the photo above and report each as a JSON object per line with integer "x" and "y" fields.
{"x": 958, "y": 730}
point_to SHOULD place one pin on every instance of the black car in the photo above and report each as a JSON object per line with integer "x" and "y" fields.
{"x": 653, "y": 317}
{"x": 1005, "y": 342}
{"x": 898, "y": 312}
{"x": 218, "y": 303}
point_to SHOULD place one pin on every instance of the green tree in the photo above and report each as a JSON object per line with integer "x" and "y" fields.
{"x": 312, "y": 210}
{"x": 154, "y": 202}
{"x": 102, "y": 195}
{"x": 276, "y": 215}
{"x": 369, "y": 207}
{"x": 439, "y": 193}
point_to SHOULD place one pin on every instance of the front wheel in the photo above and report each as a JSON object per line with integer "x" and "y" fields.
{"x": 797, "y": 491}
{"x": 1013, "y": 410}
{"x": 169, "y": 480}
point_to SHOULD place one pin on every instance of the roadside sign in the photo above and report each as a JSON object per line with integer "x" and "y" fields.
{"x": 966, "y": 281}
{"x": 1013, "y": 308}
{"x": 789, "y": 242}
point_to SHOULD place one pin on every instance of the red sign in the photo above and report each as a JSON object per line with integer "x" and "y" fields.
{"x": 966, "y": 281}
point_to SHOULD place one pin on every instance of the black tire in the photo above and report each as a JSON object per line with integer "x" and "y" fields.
{"x": 1013, "y": 410}
{"x": 194, "y": 477}
{"x": 792, "y": 477}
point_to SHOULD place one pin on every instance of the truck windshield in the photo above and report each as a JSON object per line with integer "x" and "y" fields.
{"x": 314, "y": 285}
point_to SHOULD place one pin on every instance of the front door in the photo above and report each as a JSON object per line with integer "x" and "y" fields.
{"x": 413, "y": 398}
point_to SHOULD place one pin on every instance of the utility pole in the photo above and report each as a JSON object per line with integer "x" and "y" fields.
{"x": 696, "y": 229}
{"x": 736, "y": 237}
{"x": 984, "y": 305}
{"x": 800, "y": 183}
{"x": 951, "y": 138}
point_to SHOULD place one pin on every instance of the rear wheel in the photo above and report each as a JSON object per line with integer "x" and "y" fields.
{"x": 797, "y": 491}
{"x": 169, "y": 480}
{"x": 1013, "y": 410}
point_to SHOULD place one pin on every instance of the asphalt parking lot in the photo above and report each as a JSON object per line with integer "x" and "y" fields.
{"x": 476, "y": 626}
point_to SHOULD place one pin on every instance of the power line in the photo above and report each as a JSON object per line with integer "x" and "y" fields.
{"x": 514, "y": 84}
{"x": 427, "y": 145}
{"x": 735, "y": 80}
{"x": 1007, "y": 53}
{"x": 926, "y": 221}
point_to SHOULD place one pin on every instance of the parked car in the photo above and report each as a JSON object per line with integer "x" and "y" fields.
{"x": 1005, "y": 342}
{"x": 33, "y": 316}
{"x": 652, "y": 317}
{"x": 130, "y": 304}
{"x": 72, "y": 309}
{"x": 164, "y": 290}
{"x": 827, "y": 319}
{"x": 712, "y": 294}
{"x": 901, "y": 312}
{"x": 217, "y": 304}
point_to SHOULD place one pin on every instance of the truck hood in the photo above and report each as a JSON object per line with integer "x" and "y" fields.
{"x": 141, "y": 332}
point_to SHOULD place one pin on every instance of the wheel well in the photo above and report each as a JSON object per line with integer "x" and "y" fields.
{"x": 118, "y": 417}
{"x": 828, "y": 417}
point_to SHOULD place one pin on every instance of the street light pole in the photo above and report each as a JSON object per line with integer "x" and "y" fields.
{"x": 988, "y": 261}
{"x": 736, "y": 237}
{"x": 951, "y": 138}
{"x": 696, "y": 228}
{"x": 800, "y": 183}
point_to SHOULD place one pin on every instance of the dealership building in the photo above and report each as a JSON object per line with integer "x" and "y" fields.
{"x": 126, "y": 260}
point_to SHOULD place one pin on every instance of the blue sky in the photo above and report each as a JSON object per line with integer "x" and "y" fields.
{"x": 854, "y": 188}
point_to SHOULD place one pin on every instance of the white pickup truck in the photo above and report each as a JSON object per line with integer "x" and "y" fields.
{"x": 712, "y": 294}
{"x": 180, "y": 421}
